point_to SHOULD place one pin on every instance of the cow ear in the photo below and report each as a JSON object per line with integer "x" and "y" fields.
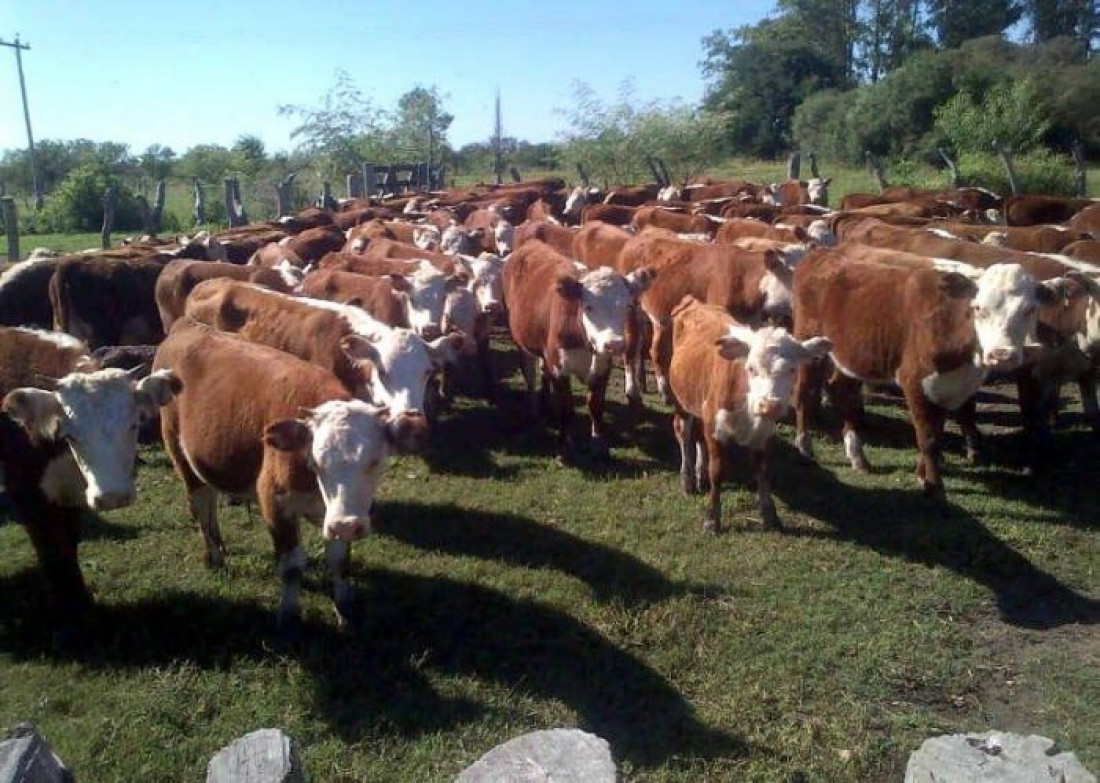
{"x": 730, "y": 347}
{"x": 640, "y": 279}
{"x": 158, "y": 388}
{"x": 957, "y": 286}
{"x": 1059, "y": 290}
{"x": 358, "y": 348}
{"x": 407, "y": 432}
{"x": 37, "y": 411}
{"x": 1088, "y": 284}
{"x": 773, "y": 262}
{"x": 816, "y": 347}
{"x": 288, "y": 435}
{"x": 827, "y": 181}
{"x": 569, "y": 288}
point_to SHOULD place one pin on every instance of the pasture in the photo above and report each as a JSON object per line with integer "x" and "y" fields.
{"x": 502, "y": 593}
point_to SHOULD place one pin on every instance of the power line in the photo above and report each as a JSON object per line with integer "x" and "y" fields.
{"x": 19, "y": 49}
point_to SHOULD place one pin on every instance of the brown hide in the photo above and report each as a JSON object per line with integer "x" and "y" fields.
{"x": 599, "y": 244}
{"x": 379, "y": 296}
{"x": 179, "y": 278}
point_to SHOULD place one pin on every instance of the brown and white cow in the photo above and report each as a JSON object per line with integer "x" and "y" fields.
{"x": 558, "y": 237}
{"x": 379, "y": 364}
{"x": 730, "y": 386}
{"x": 313, "y": 243}
{"x": 614, "y": 214}
{"x": 255, "y": 422}
{"x": 660, "y": 217}
{"x": 382, "y": 297}
{"x": 599, "y": 244}
{"x": 180, "y": 277}
{"x": 68, "y": 441}
{"x": 936, "y": 334}
{"x": 574, "y": 321}
{"x": 1031, "y": 210}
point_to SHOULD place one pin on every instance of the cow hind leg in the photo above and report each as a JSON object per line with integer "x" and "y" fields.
{"x": 807, "y": 403}
{"x": 660, "y": 352}
{"x": 684, "y": 427}
{"x": 562, "y": 402}
{"x": 847, "y": 394}
{"x": 203, "y": 502}
{"x": 633, "y": 379}
{"x": 292, "y": 562}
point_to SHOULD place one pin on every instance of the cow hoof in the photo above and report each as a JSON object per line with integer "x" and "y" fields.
{"x": 860, "y": 465}
{"x": 712, "y": 526}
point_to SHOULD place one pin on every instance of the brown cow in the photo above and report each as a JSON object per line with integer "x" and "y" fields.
{"x": 1028, "y": 210}
{"x": 631, "y": 195}
{"x": 179, "y": 278}
{"x": 730, "y": 385}
{"x": 1084, "y": 250}
{"x": 614, "y": 214}
{"x": 253, "y": 421}
{"x": 751, "y": 286}
{"x": 659, "y": 217}
{"x": 598, "y": 244}
{"x": 68, "y": 442}
{"x": 574, "y": 323}
{"x": 313, "y": 243}
{"x": 1088, "y": 219}
{"x": 558, "y": 237}
{"x": 739, "y": 228}
{"x": 276, "y": 255}
{"x": 312, "y": 217}
{"x": 382, "y": 297}
{"x": 935, "y": 334}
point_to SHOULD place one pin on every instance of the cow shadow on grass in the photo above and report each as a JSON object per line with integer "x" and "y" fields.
{"x": 611, "y": 574}
{"x": 376, "y": 678}
{"x": 93, "y": 526}
{"x": 904, "y": 524}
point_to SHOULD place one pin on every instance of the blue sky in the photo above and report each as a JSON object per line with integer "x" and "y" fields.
{"x": 210, "y": 70}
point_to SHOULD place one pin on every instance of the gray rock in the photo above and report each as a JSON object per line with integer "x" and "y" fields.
{"x": 26, "y": 757}
{"x": 264, "y": 756}
{"x": 993, "y": 757}
{"x": 558, "y": 755}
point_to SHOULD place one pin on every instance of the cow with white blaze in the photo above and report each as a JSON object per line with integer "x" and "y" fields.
{"x": 574, "y": 320}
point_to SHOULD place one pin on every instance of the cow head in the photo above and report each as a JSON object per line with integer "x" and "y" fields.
{"x": 425, "y": 295}
{"x": 772, "y": 358}
{"x": 820, "y": 233}
{"x": 460, "y": 316}
{"x": 346, "y": 444}
{"x": 504, "y": 234}
{"x": 575, "y": 202}
{"x": 817, "y": 191}
{"x": 604, "y": 299}
{"x": 669, "y": 193}
{"x": 1005, "y": 308}
{"x": 487, "y": 283}
{"x": 98, "y": 415}
{"x": 456, "y": 239}
{"x": 426, "y": 237}
{"x": 776, "y": 287}
{"x": 400, "y": 365}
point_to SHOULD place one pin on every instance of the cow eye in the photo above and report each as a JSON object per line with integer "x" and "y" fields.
{"x": 977, "y": 310}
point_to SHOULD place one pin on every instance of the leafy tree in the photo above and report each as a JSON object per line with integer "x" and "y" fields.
{"x": 955, "y": 21}
{"x": 77, "y": 202}
{"x": 209, "y": 162}
{"x": 156, "y": 161}
{"x": 249, "y": 154}
{"x": 419, "y": 125}
{"x": 1010, "y": 113}
{"x": 1076, "y": 19}
{"x": 892, "y": 31}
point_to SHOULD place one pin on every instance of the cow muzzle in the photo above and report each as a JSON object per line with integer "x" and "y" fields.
{"x": 770, "y": 409}
{"x": 430, "y": 332}
{"x": 613, "y": 347}
{"x": 108, "y": 501}
{"x": 346, "y": 528}
{"x": 1002, "y": 359}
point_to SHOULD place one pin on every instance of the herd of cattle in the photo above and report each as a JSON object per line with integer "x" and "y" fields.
{"x": 289, "y": 360}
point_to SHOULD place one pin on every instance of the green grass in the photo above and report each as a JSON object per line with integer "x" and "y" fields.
{"x": 503, "y": 594}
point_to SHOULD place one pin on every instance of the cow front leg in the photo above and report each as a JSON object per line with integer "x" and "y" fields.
{"x": 285, "y": 534}
{"x": 928, "y": 420}
{"x": 597, "y": 394}
{"x": 55, "y": 535}
{"x": 760, "y": 460}
{"x": 967, "y": 419}
{"x": 528, "y": 365}
{"x": 712, "y": 514}
{"x": 561, "y": 398}
{"x": 847, "y": 394}
{"x": 660, "y": 352}
{"x": 684, "y": 427}
{"x": 807, "y": 404}
{"x": 338, "y": 560}
{"x": 633, "y": 379}
{"x": 203, "y": 502}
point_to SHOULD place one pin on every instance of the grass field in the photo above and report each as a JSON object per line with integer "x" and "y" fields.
{"x": 503, "y": 594}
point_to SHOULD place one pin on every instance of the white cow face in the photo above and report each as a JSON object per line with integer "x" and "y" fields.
{"x": 772, "y": 358}
{"x": 400, "y": 365}
{"x": 347, "y": 445}
{"x": 487, "y": 282}
{"x": 1005, "y": 308}
{"x": 776, "y": 286}
{"x": 670, "y": 193}
{"x": 460, "y": 316}
{"x": 820, "y": 233}
{"x": 426, "y": 294}
{"x": 98, "y": 415}
{"x": 605, "y": 298}
{"x": 456, "y": 239}
{"x": 504, "y": 236}
{"x": 426, "y": 237}
{"x": 575, "y": 202}
{"x": 818, "y": 191}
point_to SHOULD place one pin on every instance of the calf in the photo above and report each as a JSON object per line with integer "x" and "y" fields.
{"x": 935, "y": 334}
{"x": 255, "y": 422}
{"x": 68, "y": 441}
{"x": 108, "y": 302}
{"x": 730, "y": 385}
{"x": 574, "y": 323}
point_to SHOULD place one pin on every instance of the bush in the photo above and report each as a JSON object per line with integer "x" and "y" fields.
{"x": 1039, "y": 171}
{"x": 1010, "y": 113}
{"x": 77, "y": 203}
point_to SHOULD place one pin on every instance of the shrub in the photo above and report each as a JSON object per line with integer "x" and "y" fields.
{"x": 1039, "y": 171}
{"x": 1011, "y": 113}
{"x": 77, "y": 203}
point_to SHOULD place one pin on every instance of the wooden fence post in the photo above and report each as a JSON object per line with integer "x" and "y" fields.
{"x": 11, "y": 226}
{"x": 794, "y": 165}
{"x": 327, "y": 201}
{"x": 200, "y": 204}
{"x": 1010, "y": 170}
{"x": 956, "y": 180}
{"x": 283, "y": 192}
{"x": 813, "y": 165}
{"x": 876, "y": 170}
{"x": 1081, "y": 179}
{"x": 582, "y": 174}
{"x": 515, "y": 174}
{"x": 110, "y": 200}
{"x": 351, "y": 184}
{"x": 153, "y": 216}
{"x": 370, "y": 180}
{"x": 234, "y": 209}
{"x": 241, "y": 215}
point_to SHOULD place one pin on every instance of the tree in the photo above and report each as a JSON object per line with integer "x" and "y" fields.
{"x": 249, "y": 154}
{"x": 156, "y": 162}
{"x": 892, "y": 31}
{"x": 1010, "y": 113}
{"x": 208, "y": 162}
{"x": 419, "y": 125}
{"x": 956, "y": 21}
{"x": 1076, "y": 19}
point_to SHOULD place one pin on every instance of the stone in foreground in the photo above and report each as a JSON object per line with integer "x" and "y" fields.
{"x": 26, "y": 757}
{"x": 558, "y": 755}
{"x": 264, "y": 756}
{"x": 993, "y": 757}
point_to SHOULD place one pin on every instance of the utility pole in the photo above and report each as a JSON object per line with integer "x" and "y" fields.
{"x": 19, "y": 47}
{"x": 498, "y": 142}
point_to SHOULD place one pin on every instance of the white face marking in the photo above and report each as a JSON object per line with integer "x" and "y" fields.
{"x": 454, "y": 240}
{"x": 778, "y": 295}
{"x": 575, "y": 202}
{"x": 604, "y": 309}
{"x": 504, "y": 236}
{"x": 348, "y": 452}
{"x": 426, "y": 296}
{"x": 426, "y": 237}
{"x": 460, "y": 315}
{"x": 820, "y": 233}
{"x": 487, "y": 282}
{"x": 1004, "y": 310}
{"x": 939, "y": 232}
